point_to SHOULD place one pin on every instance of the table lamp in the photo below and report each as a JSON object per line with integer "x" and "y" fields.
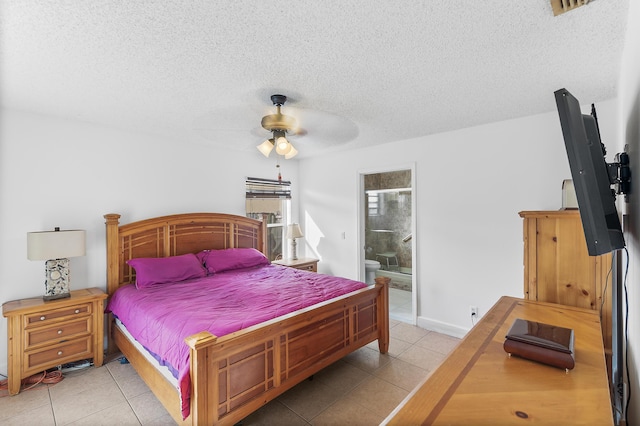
{"x": 293, "y": 232}
{"x": 56, "y": 247}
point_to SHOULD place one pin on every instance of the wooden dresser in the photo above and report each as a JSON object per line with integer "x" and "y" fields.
{"x": 45, "y": 334}
{"x": 558, "y": 268}
{"x": 479, "y": 384}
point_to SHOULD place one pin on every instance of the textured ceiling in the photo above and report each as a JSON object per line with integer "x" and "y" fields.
{"x": 356, "y": 72}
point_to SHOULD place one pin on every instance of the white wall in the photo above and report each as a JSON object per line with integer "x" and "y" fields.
{"x": 470, "y": 186}
{"x": 629, "y": 96}
{"x": 69, "y": 174}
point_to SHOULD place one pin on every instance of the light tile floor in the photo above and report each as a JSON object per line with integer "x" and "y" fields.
{"x": 400, "y": 305}
{"x": 360, "y": 389}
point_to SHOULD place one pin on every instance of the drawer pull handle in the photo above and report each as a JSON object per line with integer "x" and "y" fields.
{"x": 59, "y": 352}
{"x": 59, "y": 331}
{"x": 42, "y": 318}
{"x": 77, "y": 311}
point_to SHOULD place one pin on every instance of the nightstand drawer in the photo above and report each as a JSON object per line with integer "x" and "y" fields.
{"x": 36, "y": 361}
{"x": 307, "y": 267}
{"x": 57, "y": 333}
{"x": 44, "y": 317}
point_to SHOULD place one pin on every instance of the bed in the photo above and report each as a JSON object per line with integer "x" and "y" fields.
{"x": 235, "y": 374}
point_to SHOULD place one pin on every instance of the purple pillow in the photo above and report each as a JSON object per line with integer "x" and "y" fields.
{"x": 158, "y": 270}
{"x": 233, "y": 258}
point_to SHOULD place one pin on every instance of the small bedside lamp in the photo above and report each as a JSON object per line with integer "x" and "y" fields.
{"x": 293, "y": 232}
{"x": 55, "y": 247}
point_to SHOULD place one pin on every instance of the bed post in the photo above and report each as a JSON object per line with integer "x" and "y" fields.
{"x": 113, "y": 268}
{"x": 204, "y": 379}
{"x": 382, "y": 283}
{"x": 262, "y": 238}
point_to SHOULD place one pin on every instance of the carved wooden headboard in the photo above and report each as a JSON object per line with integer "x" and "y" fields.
{"x": 174, "y": 235}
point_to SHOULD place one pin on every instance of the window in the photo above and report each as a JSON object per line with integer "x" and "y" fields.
{"x": 270, "y": 201}
{"x": 373, "y": 203}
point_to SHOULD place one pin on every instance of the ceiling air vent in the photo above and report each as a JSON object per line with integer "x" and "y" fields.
{"x": 562, "y": 6}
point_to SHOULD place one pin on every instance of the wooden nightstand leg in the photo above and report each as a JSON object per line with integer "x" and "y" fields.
{"x": 14, "y": 384}
{"x": 13, "y": 358}
{"x": 98, "y": 343}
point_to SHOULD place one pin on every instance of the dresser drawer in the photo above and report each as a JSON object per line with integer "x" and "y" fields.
{"x": 61, "y": 331}
{"x": 38, "y": 319}
{"x": 39, "y": 360}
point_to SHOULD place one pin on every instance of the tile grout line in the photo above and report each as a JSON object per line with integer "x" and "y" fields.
{"x": 122, "y": 391}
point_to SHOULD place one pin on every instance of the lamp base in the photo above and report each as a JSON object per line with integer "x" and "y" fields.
{"x": 56, "y": 284}
{"x": 57, "y": 296}
{"x": 294, "y": 253}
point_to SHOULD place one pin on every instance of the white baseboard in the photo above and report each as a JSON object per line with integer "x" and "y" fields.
{"x": 442, "y": 327}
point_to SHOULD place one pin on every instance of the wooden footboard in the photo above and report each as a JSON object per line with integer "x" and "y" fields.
{"x": 234, "y": 375}
{"x": 240, "y": 372}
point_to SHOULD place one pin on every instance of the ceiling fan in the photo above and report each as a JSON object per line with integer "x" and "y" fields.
{"x": 279, "y": 125}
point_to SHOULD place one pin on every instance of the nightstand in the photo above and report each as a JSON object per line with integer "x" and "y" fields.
{"x": 44, "y": 334}
{"x": 304, "y": 263}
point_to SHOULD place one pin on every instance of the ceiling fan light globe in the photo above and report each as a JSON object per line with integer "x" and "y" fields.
{"x": 282, "y": 142}
{"x": 292, "y": 153}
{"x": 282, "y": 146}
{"x": 266, "y": 147}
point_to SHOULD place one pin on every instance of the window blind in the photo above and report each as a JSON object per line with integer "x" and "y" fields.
{"x": 268, "y": 188}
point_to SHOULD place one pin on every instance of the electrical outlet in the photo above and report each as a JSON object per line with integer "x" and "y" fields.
{"x": 473, "y": 310}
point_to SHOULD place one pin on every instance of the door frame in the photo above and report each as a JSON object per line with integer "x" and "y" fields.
{"x": 361, "y": 231}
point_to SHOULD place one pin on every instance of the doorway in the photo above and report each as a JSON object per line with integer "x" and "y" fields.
{"x": 387, "y": 229}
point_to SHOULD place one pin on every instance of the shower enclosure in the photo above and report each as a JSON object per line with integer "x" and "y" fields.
{"x": 388, "y": 229}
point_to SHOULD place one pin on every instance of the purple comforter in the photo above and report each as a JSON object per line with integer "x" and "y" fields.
{"x": 162, "y": 316}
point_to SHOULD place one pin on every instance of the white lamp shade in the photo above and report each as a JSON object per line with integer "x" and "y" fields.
{"x": 55, "y": 244}
{"x": 294, "y": 231}
{"x": 266, "y": 147}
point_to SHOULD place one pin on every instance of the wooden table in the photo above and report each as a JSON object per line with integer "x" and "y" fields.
{"x": 479, "y": 383}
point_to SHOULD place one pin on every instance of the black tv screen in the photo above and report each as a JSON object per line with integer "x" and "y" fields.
{"x": 596, "y": 199}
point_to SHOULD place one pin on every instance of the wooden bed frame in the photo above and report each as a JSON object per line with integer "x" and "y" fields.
{"x": 236, "y": 374}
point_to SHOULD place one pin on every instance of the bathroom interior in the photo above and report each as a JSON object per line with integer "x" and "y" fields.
{"x": 388, "y": 237}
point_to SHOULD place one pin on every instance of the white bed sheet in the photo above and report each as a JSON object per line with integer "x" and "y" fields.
{"x": 166, "y": 373}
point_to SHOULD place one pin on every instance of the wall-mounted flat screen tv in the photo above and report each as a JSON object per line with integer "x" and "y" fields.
{"x": 591, "y": 179}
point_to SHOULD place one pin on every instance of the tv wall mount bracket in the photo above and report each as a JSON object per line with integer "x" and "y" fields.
{"x": 620, "y": 174}
{"x": 619, "y": 171}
